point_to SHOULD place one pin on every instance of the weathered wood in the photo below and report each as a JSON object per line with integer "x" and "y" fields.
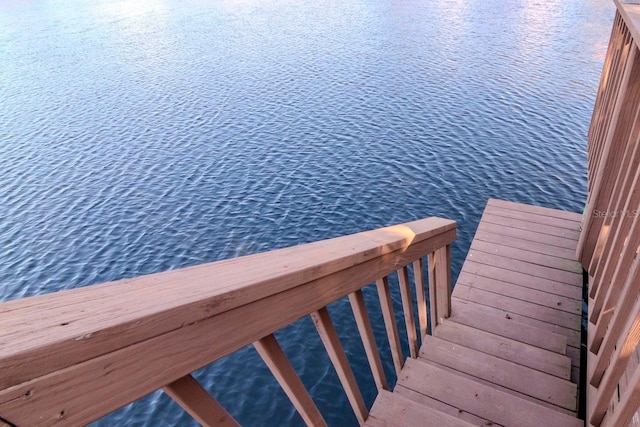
{"x": 516, "y": 306}
{"x": 528, "y": 235}
{"x": 515, "y": 351}
{"x": 511, "y": 277}
{"x": 368, "y": 340}
{"x": 530, "y": 226}
{"x": 523, "y": 293}
{"x": 629, "y": 403}
{"x": 421, "y": 301}
{"x": 521, "y": 379}
{"x": 46, "y": 333}
{"x": 540, "y": 271}
{"x": 490, "y": 320}
{"x": 277, "y": 362}
{"x": 442, "y": 276}
{"x": 391, "y": 409}
{"x": 531, "y": 217}
{"x": 194, "y": 399}
{"x": 527, "y": 256}
{"x": 539, "y": 210}
{"x": 479, "y": 399}
{"x": 90, "y": 389}
{"x": 386, "y": 304}
{"x": 331, "y": 342}
{"x": 619, "y": 128}
{"x": 519, "y": 243}
{"x": 405, "y": 295}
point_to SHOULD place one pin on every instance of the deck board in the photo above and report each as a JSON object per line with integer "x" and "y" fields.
{"x": 509, "y": 354}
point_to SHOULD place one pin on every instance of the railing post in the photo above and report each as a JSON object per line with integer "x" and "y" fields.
{"x": 440, "y": 285}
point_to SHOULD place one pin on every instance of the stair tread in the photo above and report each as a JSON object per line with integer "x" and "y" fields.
{"x": 496, "y": 322}
{"x": 505, "y": 348}
{"x": 478, "y": 399}
{"x": 392, "y": 409}
{"x": 521, "y": 379}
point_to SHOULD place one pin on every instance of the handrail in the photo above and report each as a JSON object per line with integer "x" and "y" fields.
{"x": 76, "y": 355}
{"x": 610, "y": 238}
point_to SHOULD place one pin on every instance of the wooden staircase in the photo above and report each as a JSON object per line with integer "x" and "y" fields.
{"x": 509, "y": 354}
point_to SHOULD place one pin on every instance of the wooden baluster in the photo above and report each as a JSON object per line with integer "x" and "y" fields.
{"x": 273, "y": 356}
{"x": 616, "y": 363}
{"x": 194, "y": 399}
{"x": 628, "y": 405}
{"x": 368, "y": 340}
{"x": 433, "y": 291}
{"x": 440, "y": 282}
{"x": 420, "y": 297}
{"x": 340, "y": 362}
{"x": 598, "y": 199}
{"x": 390, "y": 323}
{"x": 405, "y": 295}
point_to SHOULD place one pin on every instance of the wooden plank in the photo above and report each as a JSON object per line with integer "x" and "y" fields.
{"x": 529, "y": 226}
{"x": 44, "y": 333}
{"x": 612, "y": 361}
{"x": 533, "y": 218}
{"x": 572, "y": 336}
{"x": 520, "y": 279}
{"x": 331, "y": 342}
{"x": 489, "y": 320}
{"x": 527, "y": 256}
{"x": 514, "y": 242}
{"x": 421, "y": 301}
{"x": 526, "y": 268}
{"x": 511, "y": 290}
{"x": 368, "y": 339}
{"x": 441, "y": 406}
{"x": 386, "y": 304}
{"x": 405, "y": 295}
{"x": 433, "y": 291}
{"x": 617, "y": 135}
{"x": 523, "y": 354}
{"x": 442, "y": 276}
{"x": 391, "y": 409}
{"x": 279, "y": 365}
{"x": 530, "y": 382}
{"x": 539, "y": 210}
{"x": 95, "y": 387}
{"x": 194, "y": 399}
{"x": 516, "y": 306}
{"x": 528, "y": 235}
{"x": 629, "y": 403}
{"x": 480, "y": 400}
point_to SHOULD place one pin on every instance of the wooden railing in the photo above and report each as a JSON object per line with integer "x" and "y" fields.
{"x": 610, "y": 239}
{"x": 74, "y": 356}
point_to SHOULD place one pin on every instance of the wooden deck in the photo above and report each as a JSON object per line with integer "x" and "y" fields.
{"x": 509, "y": 355}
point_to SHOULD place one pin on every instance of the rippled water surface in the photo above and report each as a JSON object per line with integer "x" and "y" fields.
{"x": 146, "y": 135}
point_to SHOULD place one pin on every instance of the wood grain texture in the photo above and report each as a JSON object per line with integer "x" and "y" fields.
{"x": 421, "y": 300}
{"x": 407, "y": 308}
{"x": 194, "y": 399}
{"x": 361, "y": 316}
{"x": 332, "y": 344}
{"x": 389, "y": 317}
{"x": 277, "y": 362}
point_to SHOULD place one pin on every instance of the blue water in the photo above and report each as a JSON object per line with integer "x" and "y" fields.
{"x": 146, "y": 135}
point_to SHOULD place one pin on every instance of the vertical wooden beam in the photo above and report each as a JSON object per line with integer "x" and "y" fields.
{"x": 440, "y": 274}
{"x": 194, "y": 399}
{"x": 368, "y": 340}
{"x": 628, "y": 405}
{"x": 433, "y": 291}
{"x": 420, "y": 296}
{"x": 386, "y": 304}
{"x": 407, "y": 308}
{"x": 273, "y": 356}
{"x": 340, "y": 362}
{"x": 619, "y": 127}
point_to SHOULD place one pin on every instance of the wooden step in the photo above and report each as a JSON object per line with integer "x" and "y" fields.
{"x": 477, "y": 399}
{"x": 521, "y": 379}
{"x": 523, "y": 354}
{"x": 483, "y": 318}
{"x": 571, "y": 336}
{"x": 540, "y": 210}
{"x": 517, "y": 306}
{"x": 527, "y": 255}
{"x": 523, "y": 293}
{"x": 392, "y": 409}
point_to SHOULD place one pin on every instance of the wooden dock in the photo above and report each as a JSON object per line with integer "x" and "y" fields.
{"x": 509, "y": 354}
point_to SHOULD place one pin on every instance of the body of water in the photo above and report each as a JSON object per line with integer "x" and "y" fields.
{"x": 145, "y": 135}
